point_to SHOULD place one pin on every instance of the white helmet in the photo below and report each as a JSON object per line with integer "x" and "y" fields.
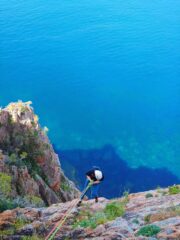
{"x": 98, "y": 174}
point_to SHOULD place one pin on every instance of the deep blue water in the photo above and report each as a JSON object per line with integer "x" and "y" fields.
{"x": 118, "y": 176}
{"x": 98, "y": 72}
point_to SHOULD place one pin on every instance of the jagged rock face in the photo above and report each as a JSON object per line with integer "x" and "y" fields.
{"x": 28, "y": 157}
{"x": 40, "y": 221}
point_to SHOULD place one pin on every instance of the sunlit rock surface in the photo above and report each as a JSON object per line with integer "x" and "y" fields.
{"x": 155, "y": 207}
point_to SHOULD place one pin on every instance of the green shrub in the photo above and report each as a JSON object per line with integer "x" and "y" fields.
{"x": 6, "y": 204}
{"x": 149, "y": 195}
{"x": 100, "y": 218}
{"x": 135, "y": 221}
{"x": 20, "y": 222}
{"x": 35, "y": 237}
{"x": 6, "y": 232}
{"x": 10, "y": 120}
{"x": 91, "y": 222}
{"x": 126, "y": 194}
{"x": 67, "y": 238}
{"x": 114, "y": 210}
{"x": 147, "y": 218}
{"x": 23, "y": 155}
{"x": 13, "y": 158}
{"x": 34, "y": 169}
{"x": 37, "y": 201}
{"x": 111, "y": 211}
{"x": 65, "y": 187}
{"x": 5, "y": 184}
{"x": 174, "y": 189}
{"x": 148, "y": 231}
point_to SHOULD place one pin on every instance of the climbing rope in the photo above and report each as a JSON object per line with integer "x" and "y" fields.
{"x": 59, "y": 224}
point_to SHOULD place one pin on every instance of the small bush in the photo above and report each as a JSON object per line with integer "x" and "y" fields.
{"x": 6, "y": 232}
{"x": 88, "y": 223}
{"x": 114, "y": 210}
{"x": 100, "y": 218}
{"x": 15, "y": 160}
{"x": 65, "y": 187}
{"x": 36, "y": 201}
{"x": 135, "y": 221}
{"x": 147, "y": 218}
{"x": 23, "y": 155}
{"x": 35, "y": 237}
{"x": 6, "y": 204}
{"x": 20, "y": 222}
{"x": 5, "y": 184}
{"x": 174, "y": 189}
{"x": 149, "y": 195}
{"x": 148, "y": 231}
{"x": 125, "y": 197}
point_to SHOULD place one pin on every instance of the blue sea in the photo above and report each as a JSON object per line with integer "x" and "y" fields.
{"x": 98, "y": 72}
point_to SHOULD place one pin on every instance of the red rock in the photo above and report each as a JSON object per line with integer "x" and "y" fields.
{"x": 20, "y": 132}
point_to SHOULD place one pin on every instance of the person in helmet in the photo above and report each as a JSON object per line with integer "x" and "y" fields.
{"x": 95, "y": 176}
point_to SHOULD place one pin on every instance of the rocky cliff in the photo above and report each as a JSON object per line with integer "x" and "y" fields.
{"x": 35, "y": 194}
{"x": 30, "y": 171}
{"x": 148, "y": 215}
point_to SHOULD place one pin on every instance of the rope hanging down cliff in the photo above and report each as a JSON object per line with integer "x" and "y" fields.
{"x": 60, "y": 223}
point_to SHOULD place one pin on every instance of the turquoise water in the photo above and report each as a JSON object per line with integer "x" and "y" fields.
{"x": 98, "y": 72}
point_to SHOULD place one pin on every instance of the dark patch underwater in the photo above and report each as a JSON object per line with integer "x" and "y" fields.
{"x": 119, "y": 177}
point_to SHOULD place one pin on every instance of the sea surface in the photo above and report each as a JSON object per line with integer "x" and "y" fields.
{"x": 98, "y": 72}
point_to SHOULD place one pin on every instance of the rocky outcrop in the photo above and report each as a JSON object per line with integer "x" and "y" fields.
{"x": 34, "y": 187}
{"x": 154, "y": 208}
{"x": 27, "y": 158}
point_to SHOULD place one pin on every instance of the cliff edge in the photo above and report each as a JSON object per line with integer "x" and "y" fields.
{"x": 30, "y": 171}
{"x": 35, "y": 194}
{"x": 147, "y": 215}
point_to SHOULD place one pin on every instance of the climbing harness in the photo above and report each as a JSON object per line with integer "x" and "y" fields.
{"x": 59, "y": 224}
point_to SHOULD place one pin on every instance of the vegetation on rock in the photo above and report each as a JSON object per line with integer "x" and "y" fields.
{"x": 98, "y": 220}
{"x": 6, "y": 232}
{"x": 111, "y": 211}
{"x": 5, "y": 184}
{"x": 114, "y": 210}
{"x": 174, "y": 189}
{"x": 14, "y": 227}
{"x": 149, "y": 231}
{"x": 19, "y": 223}
{"x": 35, "y": 201}
{"x": 148, "y": 195}
{"x": 147, "y": 218}
{"x": 35, "y": 237}
{"x": 163, "y": 214}
{"x": 28, "y": 163}
{"x": 6, "y": 204}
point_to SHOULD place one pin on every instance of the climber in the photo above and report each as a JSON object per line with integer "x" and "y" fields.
{"x": 93, "y": 178}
